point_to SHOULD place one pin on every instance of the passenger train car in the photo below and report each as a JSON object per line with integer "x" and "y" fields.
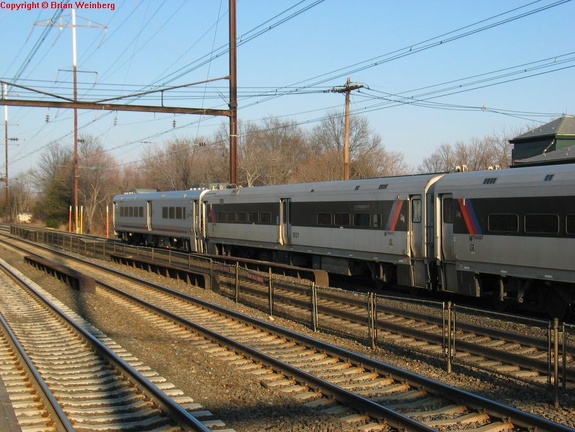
{"x": 360, "y": 227}
{"x": 161, "y": 219}
{"x": 506, "y": 233}
{"x": 511, "y": 229}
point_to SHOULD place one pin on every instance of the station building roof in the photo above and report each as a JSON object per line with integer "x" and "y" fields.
{"x": 553, "y": 142}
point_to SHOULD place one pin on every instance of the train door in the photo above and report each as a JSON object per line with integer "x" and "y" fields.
{"x": 285, "y": 222}
{"x": 417, "y": 245}
{"x": 193, "y": 227}
{"x": 149, "y": 215}
{"x": 448, "y": 270}
{"x": 197, "y": 243}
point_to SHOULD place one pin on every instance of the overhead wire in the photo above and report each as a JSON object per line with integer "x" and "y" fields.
{"x": 312, "y": 87}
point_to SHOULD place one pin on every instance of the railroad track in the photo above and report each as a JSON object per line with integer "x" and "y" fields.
{"x": 82, "y": 373}
{"x": 362, "y": 391}
{"x": 521, "y": 354}
{"x": 306, "y": 379}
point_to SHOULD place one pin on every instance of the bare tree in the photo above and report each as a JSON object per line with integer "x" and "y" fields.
{"x": 368, "y": 156}
{"x": 319, "y": 167}
{"x": 21, "y": 194}
{"x": 133, "y": 176}
{"x": 378, "y": 162}
{"x": 170, "y": 165}
{"x": 269, "y": 153}
{"x": 492, "y": 151}
{"x": 99, "y": 177}
{"x": 182, "y": 163}
{"x": 443, "y": 159}
{"x": 53, "y": 178}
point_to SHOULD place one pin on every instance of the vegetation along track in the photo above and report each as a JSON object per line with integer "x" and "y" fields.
{"x": 311, "y": 369}
{"x": 96, "y": 387}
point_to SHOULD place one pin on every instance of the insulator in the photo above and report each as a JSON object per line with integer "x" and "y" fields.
{"x": 47, "y": 118}
{"x": 174, "y": 123}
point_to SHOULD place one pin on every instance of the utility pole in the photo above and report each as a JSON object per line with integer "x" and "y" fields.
{"x": 6, "y": 139}
{"x": 347, "y": 90}
{"x": 76, "y": 158}
{"x": 75, "y": 100}
{"x": 5, "y": 92}
{"x": 233, "y": 95}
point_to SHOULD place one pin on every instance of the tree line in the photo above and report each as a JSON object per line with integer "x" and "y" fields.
{"x": 273, "y": 151}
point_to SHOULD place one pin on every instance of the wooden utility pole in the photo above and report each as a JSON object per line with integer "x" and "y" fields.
{"x": 233, "y": 96}
{"x": 347, "y": 90}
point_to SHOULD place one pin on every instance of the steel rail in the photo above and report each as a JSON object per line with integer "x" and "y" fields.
{"x": 393, "y": 418}
{"x": 496, "y": 409}
{"x": 61, "y": 421}
{"x": 179, "y": 414}
{"x": 519, "y": 417}
{"x": 360, "y": 403}
{"x": 525, "y": 362}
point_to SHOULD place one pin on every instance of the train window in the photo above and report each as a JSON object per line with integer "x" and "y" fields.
{"x": 542, "y": 223}
{"x": 341, "y": 219}
{"x": 376, "y": 220}
{"x": 448, "y": 210}
{"x": 570, "y": 224}
{"x": 179, "y": 213}
{"x": 171, "y": 212}
{"x": 242, "y": 217}
{"x": 503, "y": 223}
{"x": 253, "y": 217}
{"x": 221, "y": 217}
{"x": 266, "y": 218}
{"x": 141, "y": 212}
{"x": 231, "y": 217}
{"x": 324, "y": 219}
{"x": 361, "y": 220}
{"x": 130, "y": 211}
{"x": 164, "y": 212}
{"x": 416, "y": 210}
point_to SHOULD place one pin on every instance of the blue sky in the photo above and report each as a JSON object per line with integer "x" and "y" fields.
{"x": 429, "y": 67}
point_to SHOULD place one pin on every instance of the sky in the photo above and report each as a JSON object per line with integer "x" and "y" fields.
{"x": 432, "y": 72}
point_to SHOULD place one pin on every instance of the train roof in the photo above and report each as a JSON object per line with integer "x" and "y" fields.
{"x": 396, "y": 185}
{"x": 146, "y": 196}
{"x": 536, "y": 180}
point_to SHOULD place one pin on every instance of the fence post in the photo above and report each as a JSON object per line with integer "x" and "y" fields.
{"x": 448, "y": 334}
{"x": 564, "y": 343}
{"x": 270, "y": 292}
{"x": 556, "y": 362}
{"x": 314, "y": 314}
{"x": 372, "y": 318}
{"x": 237, "y": 284}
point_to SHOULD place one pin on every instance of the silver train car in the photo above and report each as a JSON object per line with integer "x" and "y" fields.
{"x": 509, "y": 234}
{"x": 371, "y": 227}
{"x": 161, "y": 219}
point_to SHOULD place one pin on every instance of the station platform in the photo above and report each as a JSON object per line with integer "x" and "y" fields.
{"x": 8, "y": 420}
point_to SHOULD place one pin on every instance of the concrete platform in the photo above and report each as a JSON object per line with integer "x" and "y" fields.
{"x": 8, "y": 421}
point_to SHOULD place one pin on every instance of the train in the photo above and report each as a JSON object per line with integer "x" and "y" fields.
{"x": 508, "y": 234}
